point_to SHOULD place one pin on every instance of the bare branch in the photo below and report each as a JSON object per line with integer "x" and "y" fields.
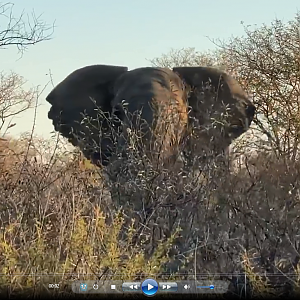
{"x": 23, "y": 30}
{"x": 14, "y": 97}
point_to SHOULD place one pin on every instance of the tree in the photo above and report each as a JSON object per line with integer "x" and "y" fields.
{"x": 14, "y": 99}
{"x": 185, "y": 57}
{"x": 21, "y": 32}
{"x": 266, "y": 62}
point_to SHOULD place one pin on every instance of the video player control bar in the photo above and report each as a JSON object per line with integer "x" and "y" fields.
{"x": 150, "y": 287}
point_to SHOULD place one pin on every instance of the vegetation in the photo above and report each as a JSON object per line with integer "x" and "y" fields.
{"x": 238, "y": 214}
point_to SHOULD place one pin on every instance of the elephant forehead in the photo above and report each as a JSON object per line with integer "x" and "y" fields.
{"x": 146, "y": 84}
{"x": 94, "y": 74}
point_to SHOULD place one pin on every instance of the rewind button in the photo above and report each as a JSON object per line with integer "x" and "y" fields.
{"x": 131, "y": 286}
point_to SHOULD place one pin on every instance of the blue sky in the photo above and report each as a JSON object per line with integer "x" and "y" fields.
{"x": 126, "y": 32}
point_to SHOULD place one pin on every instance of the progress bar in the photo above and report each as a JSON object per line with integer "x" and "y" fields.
{"x": 206, "y": 287}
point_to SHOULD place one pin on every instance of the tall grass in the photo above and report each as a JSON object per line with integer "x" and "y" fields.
{"x": 60, "y": 221}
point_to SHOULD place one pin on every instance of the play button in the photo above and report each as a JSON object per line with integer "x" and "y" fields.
{"x": 149, "y": 287}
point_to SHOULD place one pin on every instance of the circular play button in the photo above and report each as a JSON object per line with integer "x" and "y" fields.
{"x": 149, "y": 287}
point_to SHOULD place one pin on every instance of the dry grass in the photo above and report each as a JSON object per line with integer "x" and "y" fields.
{"x": 59, "y": 222}
{"x": 56, "y": 220}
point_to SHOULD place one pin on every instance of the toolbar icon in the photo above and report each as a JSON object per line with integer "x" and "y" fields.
{"x": 186, "y": 286}
{"x": 131, "y": 286}
{"x": 168, "y": 286}
{"x": 149, "y": 287}
{"x": 83, "y": 287}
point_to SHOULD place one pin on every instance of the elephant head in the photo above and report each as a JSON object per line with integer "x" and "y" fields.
{"x": 152, "y": 100}
{"x": 75, "y": 109}
{"x": 220, "y": 110}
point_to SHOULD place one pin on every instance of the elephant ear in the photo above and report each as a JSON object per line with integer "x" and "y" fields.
{"x": 79, "y": 108}
{"x": 218, "y": 104}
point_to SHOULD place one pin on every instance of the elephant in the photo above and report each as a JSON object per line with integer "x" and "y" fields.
{"x": 168, "y": 108}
